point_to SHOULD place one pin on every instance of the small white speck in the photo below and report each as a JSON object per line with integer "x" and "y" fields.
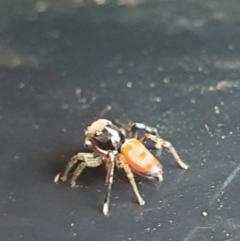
{"x": 21, "y": 85}
{"x": 160, "y": 68}
{"x": 131, "y": 64}
{"x": 17, "y": 157}
{"x": 120, "y": 71}
{"x": 157, "y": 99}
{"x": 152, "y": 85}
{"x": 129, "y": 84}
{"x": 36, "y": 126}
{"x": 65, "y": 106}
{"x": 204, "y": 214}
{"x": 206, "y": 127}
{"x": 170, "y": 221}
{"x": 40, "y": 6}
{"x": 72, "y": 224}
{"x": 64, "y": 129}
{"x": 166, "y": 80}
{"x": 217, "y": 110}
{"x": 100, "y": 2}
{"x": 78, "y": 91}
{"x": 108, "y": 107}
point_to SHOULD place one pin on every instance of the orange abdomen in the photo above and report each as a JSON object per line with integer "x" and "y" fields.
{"x": 139, "y": 158}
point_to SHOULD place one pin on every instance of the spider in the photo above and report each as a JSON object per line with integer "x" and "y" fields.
{"x": 110, "y": 144}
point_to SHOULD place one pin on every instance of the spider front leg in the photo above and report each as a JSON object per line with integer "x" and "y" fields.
{"x": 159, "y": 142}
{"x": 87, "y": 160}
{"x": 121, "y": 163}
{"x": 110, "y": 164}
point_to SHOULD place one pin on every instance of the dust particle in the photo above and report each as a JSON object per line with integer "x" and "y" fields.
{"x": 160, "y": 69}
{"x": 206, "y": 127}
{"x": 217, "y": 110}
{"x": 131, "y": 64}
{"x": 152, "y": 85}
{"x": 21, "y": 85}
{"x": 157, "y": 99}
{"x": 129, "y": 84}
{"x": 65, "y": 106}
{"x": 40, "y": 6}
{"x": 166, "y": 80}
{"x": 78, "y": 91}
{"x": 100, "y": 2}
{"x": 204, "y": 214}
{"x": 120, "y": 71}
{"x": 78, "y": 2}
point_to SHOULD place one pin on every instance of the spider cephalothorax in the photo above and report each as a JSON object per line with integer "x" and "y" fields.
{"x": 104, "y": 135}
{"x": 109, "y": 144}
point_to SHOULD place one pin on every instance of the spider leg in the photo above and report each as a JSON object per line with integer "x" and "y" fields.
{"x": 87, "y": 160}
{"x": 140, "y": 126}
{"x": 109, "y": 180}
{"x": 159, "y": 142}
{"x": 121, "y": 163}
{"x": 108, "y": 169}
{"x": 77, "y": 173}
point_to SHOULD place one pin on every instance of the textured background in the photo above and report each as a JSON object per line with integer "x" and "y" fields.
{"x": 170, "y": 64}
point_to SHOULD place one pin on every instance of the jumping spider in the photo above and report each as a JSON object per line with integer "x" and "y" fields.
{"x": 111, "y": 145}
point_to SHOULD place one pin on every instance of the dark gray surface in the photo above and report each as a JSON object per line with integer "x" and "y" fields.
{"x": 191, "y": 54}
